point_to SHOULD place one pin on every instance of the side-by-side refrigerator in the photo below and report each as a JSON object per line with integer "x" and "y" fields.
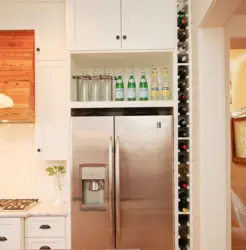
{"x": 122, "y": 182}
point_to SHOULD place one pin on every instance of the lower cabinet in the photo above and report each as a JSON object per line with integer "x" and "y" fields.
{"x": 11, "y": 233}
{"x": 45, "y": 233}
{"x": 45, "y": 243}
{"x": 35, "y": 233}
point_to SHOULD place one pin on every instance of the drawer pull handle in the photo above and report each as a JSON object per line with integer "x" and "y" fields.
{"x": 44, "y": 227}
{"x": 3, "y": 238}
{"x": 44, "y": 247}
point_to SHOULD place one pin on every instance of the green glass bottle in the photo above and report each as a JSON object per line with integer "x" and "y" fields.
{"x": 131, "y": 88}
{"x": 119, "y": 89}
{"x": 143, "y": 88}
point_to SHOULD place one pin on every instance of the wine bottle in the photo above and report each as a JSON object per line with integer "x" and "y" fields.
{"x": 182, "y": 35}
{"x": 182, "y": 158}
{"x": 183, "y": 133}
{"x": 182, "y": 72}
{"x": 182, "y": 23}
{"x": 183, "y": 194}
{"x": 183, "y": 219}
{"x": 183, "y": 244}
{"x": 182, "y": 58}
{"x": 183, "y": 146}
{"x": 183, "y": 184}
{"x": 183, "y": 123}
{"x": 183, "y": 206}
{"x": 183, "y": 232}
{"x": 183, "y": 170}
{"x": 183, "y": 98}
{"x": 182, "y": 85}
{"x": 182, "y": 110}
{"x": 182, "y": 47}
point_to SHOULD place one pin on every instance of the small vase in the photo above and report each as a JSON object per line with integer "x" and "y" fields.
{"x": 58, "y": 197}
{"x": 59, "y": 190}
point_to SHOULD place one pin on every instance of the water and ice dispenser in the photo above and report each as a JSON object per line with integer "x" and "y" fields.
{"x": 93, "y": 186}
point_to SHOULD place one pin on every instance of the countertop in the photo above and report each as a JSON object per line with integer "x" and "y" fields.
{"x": 41, "y": 209}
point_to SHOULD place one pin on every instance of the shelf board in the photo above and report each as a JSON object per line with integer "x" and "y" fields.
{"x": 123, "y": 104}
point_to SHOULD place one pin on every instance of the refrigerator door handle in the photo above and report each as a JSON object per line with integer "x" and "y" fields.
{"x": 110, "y": 186}
{"x": 117, "y": 181}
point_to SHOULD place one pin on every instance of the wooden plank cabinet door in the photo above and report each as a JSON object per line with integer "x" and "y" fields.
{"x": 50, "y": 30}
{"x": 149, "y": 24}
{"x": 52, "y": 116}
{"x": 94, "y": 25}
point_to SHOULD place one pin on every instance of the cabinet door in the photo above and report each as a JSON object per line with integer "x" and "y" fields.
{"x": 50, "y": 30}
{"x": 52, "y": 116}
{"x": 94, "y": 25}
{"x": 149, "y": 24}
{"x": 45, "y": 243}
{"x": 10, "y": 233}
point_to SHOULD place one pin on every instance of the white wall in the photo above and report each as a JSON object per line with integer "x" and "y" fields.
{"x": 200, "y": 9}
{"x": 22, "y": 175}
{"x": 214, "y": 138}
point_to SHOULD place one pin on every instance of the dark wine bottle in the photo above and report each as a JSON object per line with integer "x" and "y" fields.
{"x": 182, "y": 85}
{"x": 183, "y": 133}
{"x": 183, "y": 184}
{"x": 182, "y": 72}
{"x": 183, "y": 219}
{"x": 182, "y": 35}
{"x": 184, "y": 231}
{"x": 183, "y": 194}
{"x": 183, "y": 98}
{"x": 183, "y": 146}
{"x": 182, "y": 58}
{"x": 183, "y": 206}
{"x": 182, "y": 47}
{"x": 182, "y": 110}
{"x": 182, "y": 24}
{"x": 183, "y": 170}
{"x": 182, "y": 158}
{"x": 183, "y": 244}
{"x": 183, "y": 123}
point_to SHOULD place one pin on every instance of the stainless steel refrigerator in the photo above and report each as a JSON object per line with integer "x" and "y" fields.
{"x": 122, "y": 182}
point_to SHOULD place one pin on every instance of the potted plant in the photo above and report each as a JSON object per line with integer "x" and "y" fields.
{"x": 58, "y": 172}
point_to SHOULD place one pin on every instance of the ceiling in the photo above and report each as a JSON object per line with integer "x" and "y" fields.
{"x": 241, "y": 9}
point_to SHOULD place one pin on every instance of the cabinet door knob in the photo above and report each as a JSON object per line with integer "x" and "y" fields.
{"x": 118, "y": 37}
{"x": 124, "y": 37}
{"x": 38, "y": 49}
{"x": 3, "y": 238}
{"x": 38, "y": 150}
{"x": 44, "y": 227}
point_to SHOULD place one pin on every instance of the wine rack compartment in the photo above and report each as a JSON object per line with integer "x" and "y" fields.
{"x": 184, "y": 128}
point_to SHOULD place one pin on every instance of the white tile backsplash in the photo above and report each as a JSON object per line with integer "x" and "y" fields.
{"x": 22, "y": 174}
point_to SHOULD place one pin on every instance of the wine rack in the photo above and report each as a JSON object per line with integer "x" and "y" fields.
{"x": 184, "y": 126}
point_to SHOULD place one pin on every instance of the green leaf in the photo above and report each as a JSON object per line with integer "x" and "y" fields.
{"x": 55, "y": 167}
{"x": 51, "y": 174}
{"x": 50, "y": 170}
{"x": 60, "y": 168}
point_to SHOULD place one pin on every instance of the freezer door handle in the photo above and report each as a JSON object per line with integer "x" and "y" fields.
{"x": 117, "y": 182}
{"x": 110, "y": 186}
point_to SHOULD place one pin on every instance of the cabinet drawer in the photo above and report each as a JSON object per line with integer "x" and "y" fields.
{"x": 10, "y": 233}
{"x": 45, "y": 243}
{"x": 45, "y": 227}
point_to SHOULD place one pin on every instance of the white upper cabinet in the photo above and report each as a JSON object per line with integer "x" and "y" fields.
{"x": 52, "y": 113}
{"x": 121, "y": 24}
{"x": 50, "y": 26}
{"x": 94, "y": 25}
{"x": 148, "y": 24}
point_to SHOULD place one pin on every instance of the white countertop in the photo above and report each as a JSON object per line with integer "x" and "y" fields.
{"x": 41, "y": 209}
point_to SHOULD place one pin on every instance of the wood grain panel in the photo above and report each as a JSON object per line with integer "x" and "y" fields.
{"x": 17, "y": 74}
